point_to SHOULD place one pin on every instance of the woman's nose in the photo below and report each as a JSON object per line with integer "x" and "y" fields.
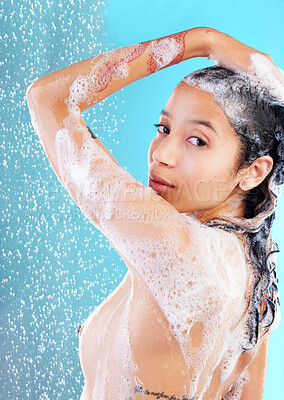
{"x": 166, "y": 152}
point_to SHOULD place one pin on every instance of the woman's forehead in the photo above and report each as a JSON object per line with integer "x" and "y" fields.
{"x": 193, "y": 99}
{"x": 190, "y": 93}
{"x": 195, "y": 103}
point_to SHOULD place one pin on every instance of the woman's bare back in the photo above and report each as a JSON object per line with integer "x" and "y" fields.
{"x": 127, "y": 346}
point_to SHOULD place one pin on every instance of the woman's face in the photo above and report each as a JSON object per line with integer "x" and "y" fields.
{"x": 195, "y": 151}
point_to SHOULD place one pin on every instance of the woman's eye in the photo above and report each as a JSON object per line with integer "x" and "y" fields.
{"x": 161, "y": 128}
{"x": 197, "y": 141}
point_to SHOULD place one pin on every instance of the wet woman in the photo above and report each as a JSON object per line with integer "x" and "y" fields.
{"x": 192, "y": 316}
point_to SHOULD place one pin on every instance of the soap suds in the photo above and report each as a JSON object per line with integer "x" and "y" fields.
{"x": 260, "y": 72}
{"x": 163, "y": 51}
{"x": 34, "y": 121}
{"x": 123, "y": 382}
{"x": 166, "y": 51}
{"x": 270, "y": 77}
{"x": 236, "y": 391}
{"x": 206, "y": 291}
{"x": 105, "y": 68}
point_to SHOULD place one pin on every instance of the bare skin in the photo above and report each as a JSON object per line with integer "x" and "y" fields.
{"x": 175, "y": 156}
{"x": 149, "y": 330}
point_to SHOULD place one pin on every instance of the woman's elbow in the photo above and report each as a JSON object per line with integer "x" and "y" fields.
{"x": 34, "y": 94}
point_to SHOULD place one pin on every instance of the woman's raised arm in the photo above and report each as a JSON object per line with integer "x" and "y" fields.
{"x": 57, "y": 99}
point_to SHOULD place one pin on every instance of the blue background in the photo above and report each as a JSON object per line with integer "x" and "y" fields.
{"x": 55, "y": 266}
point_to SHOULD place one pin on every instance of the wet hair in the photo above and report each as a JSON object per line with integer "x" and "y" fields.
{"x": 258, "y": 119}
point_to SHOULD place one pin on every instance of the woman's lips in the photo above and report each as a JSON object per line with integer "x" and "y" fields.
{"x": 158, "y": 186}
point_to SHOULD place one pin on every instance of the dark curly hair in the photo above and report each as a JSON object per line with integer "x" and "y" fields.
{"x": 258, "y": 118}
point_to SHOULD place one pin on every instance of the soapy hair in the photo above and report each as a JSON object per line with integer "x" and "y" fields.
{"x": 258, "y": 119}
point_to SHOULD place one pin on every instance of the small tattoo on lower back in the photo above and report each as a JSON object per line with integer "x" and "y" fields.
{"x": 161, "y": 395}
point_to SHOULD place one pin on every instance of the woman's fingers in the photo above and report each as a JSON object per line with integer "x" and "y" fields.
{"x": 229, "y": 53}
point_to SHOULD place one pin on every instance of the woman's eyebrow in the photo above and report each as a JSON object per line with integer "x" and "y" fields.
{"x": 194, "y": 121}
{"x": 164, "y": 112}
{"x": 205, "y": 123}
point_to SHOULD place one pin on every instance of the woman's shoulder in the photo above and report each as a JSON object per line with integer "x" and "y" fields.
{"x": 220, "y": 250}
{"x": 216, "y": 237}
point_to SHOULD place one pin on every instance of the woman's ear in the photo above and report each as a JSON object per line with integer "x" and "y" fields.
{"x": 253, "y": 175}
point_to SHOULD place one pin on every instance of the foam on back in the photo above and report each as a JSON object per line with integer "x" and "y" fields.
{"x": 204, "y": 286}
{"x": 236, "y": 391}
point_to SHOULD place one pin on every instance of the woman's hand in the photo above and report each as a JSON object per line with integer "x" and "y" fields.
{"x": 229, "y": 53}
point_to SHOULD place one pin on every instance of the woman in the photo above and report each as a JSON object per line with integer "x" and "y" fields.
{"x": 192, "y": 316}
